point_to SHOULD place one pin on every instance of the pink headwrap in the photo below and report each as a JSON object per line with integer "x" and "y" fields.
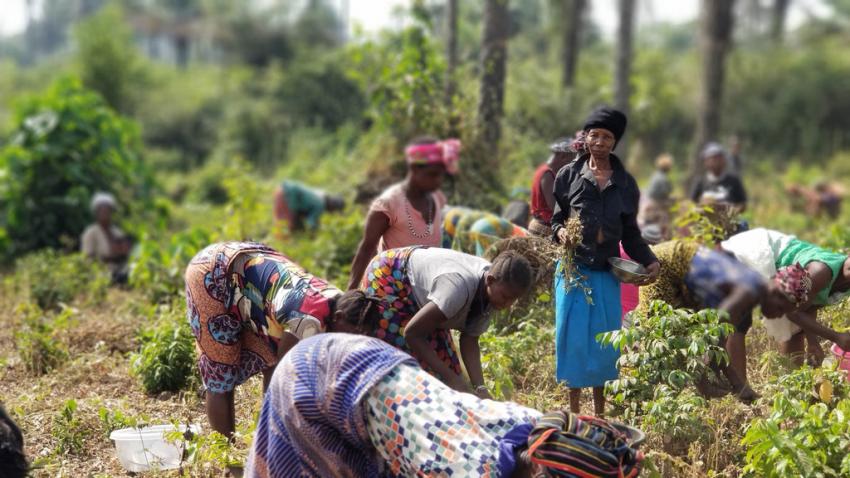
{"x": 444, "y": 152}
{"x": 795, "y": 282}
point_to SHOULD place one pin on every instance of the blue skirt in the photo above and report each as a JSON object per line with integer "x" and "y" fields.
{"x": 581, "y": 361}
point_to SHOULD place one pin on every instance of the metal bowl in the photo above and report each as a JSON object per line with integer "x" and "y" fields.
{"x": 634, "y": 436}
{"x": 627, "y": 271}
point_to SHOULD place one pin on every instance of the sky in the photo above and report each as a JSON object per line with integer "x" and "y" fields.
{"x": 373, "y": 15}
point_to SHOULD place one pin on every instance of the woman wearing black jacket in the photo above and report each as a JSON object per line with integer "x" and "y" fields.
{"x": 598, "y": 190}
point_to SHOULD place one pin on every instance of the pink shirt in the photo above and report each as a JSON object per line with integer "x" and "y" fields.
{"x": 395, "y": 205}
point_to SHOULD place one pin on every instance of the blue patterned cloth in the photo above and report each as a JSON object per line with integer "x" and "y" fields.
{"x": 421, "y": 427}
{"x": 312, "y": 423}
{"x": 712, "y": 272}
{"x": 581, "y": 361}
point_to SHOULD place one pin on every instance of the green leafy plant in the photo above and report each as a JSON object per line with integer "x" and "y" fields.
{"x": 111, "y": 420}
{"x": 54, "y": 278}
{"x": 68, "y": 429}
{"x": 37, "y": 340}
{"x": 508, "y": 357}
{"x": 166, "y": 359}
{"x": 665, "y": 346}
{"x": 67, "y": 144}
{"x": 800, "y": 438}
{"x": 157, "y": 269}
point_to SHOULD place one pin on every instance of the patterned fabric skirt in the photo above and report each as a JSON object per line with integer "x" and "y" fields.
{"x": 227, "y": 356}
{"x": 421, "y": 427}
{"x": 581, "y": 361}
{"x": 386, "y": 278}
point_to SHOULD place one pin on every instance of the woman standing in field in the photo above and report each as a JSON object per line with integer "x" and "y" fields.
{"x": 596, "y": 189}
{"x": 409, "y": 213}
{"x": 425, "y": 293}
{"x": 248, "y": 305}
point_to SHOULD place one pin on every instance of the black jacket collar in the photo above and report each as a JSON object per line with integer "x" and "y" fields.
{"x": 618, "y": 175}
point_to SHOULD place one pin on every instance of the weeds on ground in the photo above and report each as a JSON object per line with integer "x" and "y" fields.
{"x": 38, "y": 339}
{"x": 53, "y": 278}
{"x": 68, "y": 430}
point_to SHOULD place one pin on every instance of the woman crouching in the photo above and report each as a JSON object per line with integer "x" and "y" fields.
{"x": 349, "y": 406}
{"x": 248, "y": 305}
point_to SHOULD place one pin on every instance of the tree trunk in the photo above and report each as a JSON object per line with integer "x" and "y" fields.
{"x": 623, "y": 68}
{"x": 451, "y": 49}
{"x": 181, "y": 51}
{"x": 777, "y": 19}
{"x": 715, "y": 42}
{"x": 574, "y": 9}
{"x": 494, "y": 52}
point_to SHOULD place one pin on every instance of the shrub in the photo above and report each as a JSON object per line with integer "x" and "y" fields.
{"x": 666, "y": 347}
{"x": 37, "y": 340}
{"x": 166, "y": 359}
{"x": 67, "y": 145}
{"x": 55, "y": 278}
{"x": 808, "y": 430}
{"x": 157, "y": 269}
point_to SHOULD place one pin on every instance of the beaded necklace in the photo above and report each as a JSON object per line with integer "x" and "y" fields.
{"x": 429, "y": 221}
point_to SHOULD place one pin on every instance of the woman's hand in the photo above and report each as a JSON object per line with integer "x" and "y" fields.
{"x": 652, "y": 271}
{"x": 563, "y": 238}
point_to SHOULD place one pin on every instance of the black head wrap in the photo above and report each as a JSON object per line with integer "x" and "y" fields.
{"x": 607, "y": 118}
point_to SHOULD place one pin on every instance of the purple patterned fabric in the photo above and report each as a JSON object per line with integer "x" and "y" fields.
{"x": 312, "y": 423}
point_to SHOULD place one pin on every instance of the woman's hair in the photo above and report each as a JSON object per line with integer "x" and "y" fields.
{"x": 511, "y": 268}
{"x": 13, "y": 462}
{"x": 358, "y": 309}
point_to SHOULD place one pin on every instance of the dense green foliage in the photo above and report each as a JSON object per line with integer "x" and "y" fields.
{"x": 166, "y": 360}
{"x": 54, "y": 279}
{"x": 808, "y": 430}
{"x": 67, "y": 145}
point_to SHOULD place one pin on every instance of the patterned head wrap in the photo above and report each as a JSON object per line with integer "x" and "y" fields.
{"x": 795, "y": 282}
{"x": 444, "y": 152}
{"x": 568, "y": 445}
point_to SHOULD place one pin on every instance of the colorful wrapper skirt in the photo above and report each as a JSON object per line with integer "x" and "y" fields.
{"x": 386, "y": 278}
{"x": 237, "y": 330}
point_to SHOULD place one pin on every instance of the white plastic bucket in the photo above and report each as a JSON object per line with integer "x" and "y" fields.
{"x": 143, "y": 449}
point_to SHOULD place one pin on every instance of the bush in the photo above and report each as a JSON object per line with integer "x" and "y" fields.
{"x": 37, "y": 339}
{"x": 55, "y": 278}
{"x": 157, "y": 269}
{"x": 303, "y": 95}
{"x": 166, "y": 359}
{"x": 109, "y": 62}
{"x": 67, "y": 145}
{"x": 808, "y": 430}
{"x": 666, "y": 347}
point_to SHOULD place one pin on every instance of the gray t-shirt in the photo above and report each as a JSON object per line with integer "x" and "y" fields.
{"x": 450, "y": 280}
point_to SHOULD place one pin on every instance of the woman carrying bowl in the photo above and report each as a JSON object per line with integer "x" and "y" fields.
{"x": 598, "y": 190}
